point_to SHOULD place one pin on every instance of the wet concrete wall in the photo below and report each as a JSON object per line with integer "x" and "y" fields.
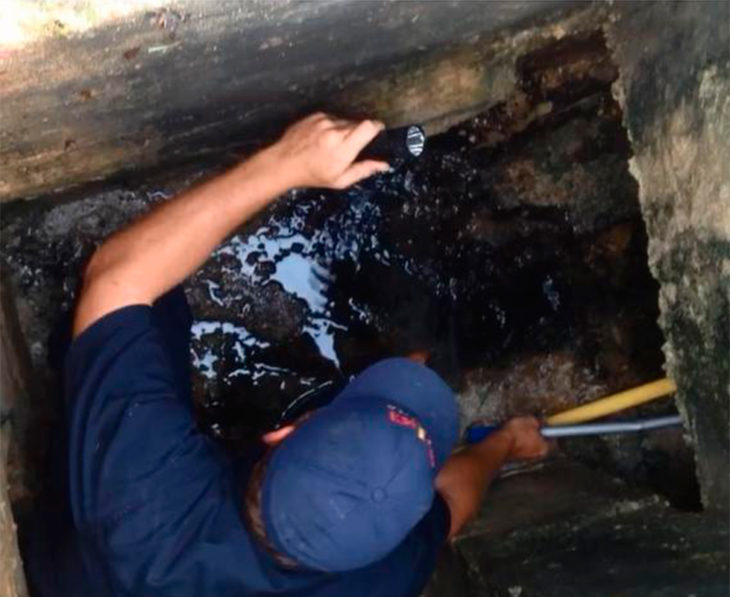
{"x": 674, "y": 60}
{"x": 101, "y": 87}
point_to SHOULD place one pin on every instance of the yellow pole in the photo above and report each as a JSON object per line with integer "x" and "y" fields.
{"x": 614, "y": 403}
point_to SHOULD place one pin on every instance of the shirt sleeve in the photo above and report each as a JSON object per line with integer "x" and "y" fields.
{"x": 133, "y": 438}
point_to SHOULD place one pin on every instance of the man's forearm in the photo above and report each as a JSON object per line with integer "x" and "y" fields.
{"x": 466, "y": 475}
{"x": 143, "y": 261}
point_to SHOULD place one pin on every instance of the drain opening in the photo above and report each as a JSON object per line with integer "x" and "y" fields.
{"x": 513, "y": 251}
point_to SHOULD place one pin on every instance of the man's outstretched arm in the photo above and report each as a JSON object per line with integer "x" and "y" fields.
{"x": 140, "y": 263}
{"x": 465, "y": 477}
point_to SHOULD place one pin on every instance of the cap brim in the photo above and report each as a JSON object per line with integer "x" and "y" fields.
{"x": 418, "y": 389}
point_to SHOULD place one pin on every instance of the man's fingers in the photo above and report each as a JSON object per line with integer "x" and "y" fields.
{"x": 316, "y": 117}
{"x": 359, "y": 171}
{"x": 322, "y": 148}
{"x": 343, "y": 124}
{"x": 360, "y": 136}
{"x": 309, "y": 120}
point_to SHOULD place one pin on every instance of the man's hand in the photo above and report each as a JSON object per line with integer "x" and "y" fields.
{"x": 525, "y": 440}
{"x": 320, "y": 151}
{"x": 139, "y": 264}
{"x": 464, "y": 479}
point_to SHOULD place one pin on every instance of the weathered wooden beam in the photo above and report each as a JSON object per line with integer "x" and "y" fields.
{"x": 142, "y": 88}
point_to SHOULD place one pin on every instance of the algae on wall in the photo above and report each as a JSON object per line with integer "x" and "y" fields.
{"x": 674, "y": 60}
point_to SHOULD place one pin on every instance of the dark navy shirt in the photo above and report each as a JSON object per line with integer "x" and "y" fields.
{"x": 156, "y": 504}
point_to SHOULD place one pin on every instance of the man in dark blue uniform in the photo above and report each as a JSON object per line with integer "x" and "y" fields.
{"x": 355, "y": 498}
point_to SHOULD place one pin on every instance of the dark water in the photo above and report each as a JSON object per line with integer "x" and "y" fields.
{"x": 478, "y": 254}
{"x": 427, "y": 257}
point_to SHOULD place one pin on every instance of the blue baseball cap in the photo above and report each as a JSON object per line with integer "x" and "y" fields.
{"x": 351, "y": 481}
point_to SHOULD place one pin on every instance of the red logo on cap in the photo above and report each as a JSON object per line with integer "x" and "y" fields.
{"x": 400, "y": 418}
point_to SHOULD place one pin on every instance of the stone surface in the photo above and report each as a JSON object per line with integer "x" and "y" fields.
{"x": 568, "y": 531}
{"x": 449, "y": 579}
{"x": 675, "y": 92}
